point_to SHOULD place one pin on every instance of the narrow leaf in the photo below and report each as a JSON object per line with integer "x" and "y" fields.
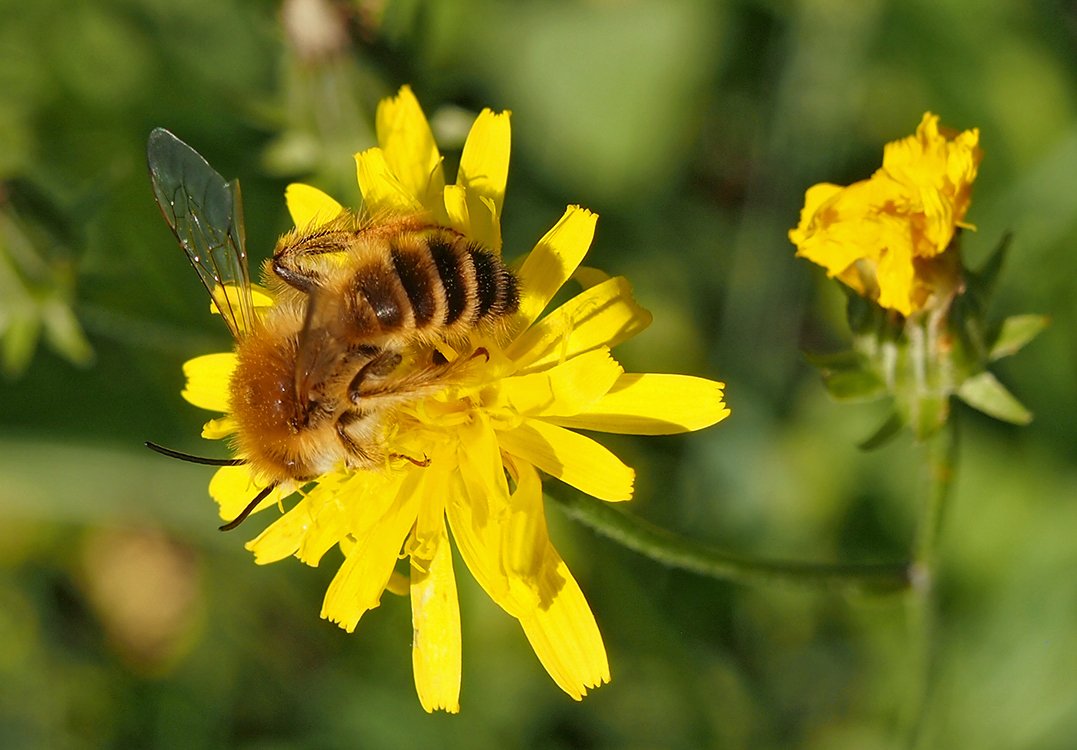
{"x": 1016, "y": 331}
{"x": 982, "y": 282}
{"x": 984, "y": 393}
{"x": 887, "y": 431}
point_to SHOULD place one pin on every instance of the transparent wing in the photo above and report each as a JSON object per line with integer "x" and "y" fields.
{"x": 320, "y": 347}
{"x": 206, "y": 215}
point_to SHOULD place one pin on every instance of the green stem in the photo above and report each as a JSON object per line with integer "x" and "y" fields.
{"x": 941, "y": 462}
{"x": 922, "y": 607}
{"x": 678, "y": 552}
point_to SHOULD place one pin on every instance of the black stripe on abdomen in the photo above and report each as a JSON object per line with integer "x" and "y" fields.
{"x": 453, "y": 277}
{"x": 415, "y": 278}
{"x": 494, "y": 284}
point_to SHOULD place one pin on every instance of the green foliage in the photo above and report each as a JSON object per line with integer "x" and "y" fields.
{"x": 693, "y": 128}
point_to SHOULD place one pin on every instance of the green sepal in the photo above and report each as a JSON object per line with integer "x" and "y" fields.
{"x": 18, "y": 340}
{"x": 927, "y": 413}
{"x": 887, "y": 431}
{"x": 984, "y": 393}
{"x": 981, "y": 283}
{"x": 1015, "y": 332}
{"x": 848, "y": 376}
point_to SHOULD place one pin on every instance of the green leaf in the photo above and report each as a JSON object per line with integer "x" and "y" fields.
{"x": 927, "y": 413}
{"x": 18, "y": 339}
{"x": 836, "y": 361}
{"x": 1016, "y": 331}
{"x": 984, "y": 393}
{"x": 64, "y": 333}
{"x": 848, "y": 376}
{"x": 982, "y": 282}
{"x": 887, "y": 431}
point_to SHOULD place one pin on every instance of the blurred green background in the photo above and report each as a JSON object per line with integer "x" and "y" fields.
{"x": 692, "y": 128}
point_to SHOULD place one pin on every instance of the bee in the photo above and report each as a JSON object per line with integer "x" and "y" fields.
{"x": 361, "y": 306}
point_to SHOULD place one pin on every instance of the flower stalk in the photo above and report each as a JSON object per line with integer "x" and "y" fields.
{"x": 675, "y": 551}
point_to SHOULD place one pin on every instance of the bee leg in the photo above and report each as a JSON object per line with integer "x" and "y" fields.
{"x": 362, "y": 457}
{"x": 421, "y": 463}
{"x": 380, "y": 366}
{"x": 304, "y": 281}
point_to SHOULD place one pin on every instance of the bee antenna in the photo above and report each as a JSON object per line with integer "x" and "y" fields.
{"x": 249, "y": 509}
{"x": 171, "y": 453}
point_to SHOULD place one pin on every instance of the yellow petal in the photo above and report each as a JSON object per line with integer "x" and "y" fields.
{"x": 485, "y": 221}
{"x": 477, "y": 501}
{"x": 567, "y": 388}
{"x": 556, "y": 618}
{"x": 604, "y": 315}
{"x": 895, "y": 275}
{"x": 564, "y": 634}
{"x": 215, "y": 429}
{"x": 456, "y": 210}
{"x": 472, "y": 216}
{"x": 838, "y": 225}
{"x": 553, "y": 260}
{"x": 571, "y": 457}
{"x": 308, "y": 530}
{"x": 484, "y": 169}
{"x": 524, "y": 537}
{"x": 358, "y": 585}
{"x": 382, "y": 192}
{"x": 409, "y": 148}
{"x": 260, "y": 297}
{"x": 207, "y": 380}
{"x": 309, "y": 206}
{"x": 815, "y": 198}
{"x": 233, "y": 487}
{"x": 435, "y": 617}
{"x": 399, "y": 584}
{"x": 282, "y": 538}
{"x": 653, "y": 404}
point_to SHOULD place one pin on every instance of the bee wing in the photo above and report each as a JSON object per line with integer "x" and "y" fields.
{"x": 206, "y": 215}
{"x": 319, "y": 353}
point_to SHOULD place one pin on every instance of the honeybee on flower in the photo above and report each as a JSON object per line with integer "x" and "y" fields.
{"x": 419, "y": 389}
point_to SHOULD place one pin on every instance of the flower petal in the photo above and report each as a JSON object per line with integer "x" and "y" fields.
{"x": 260, "y": 297}
{"x": 564, "y": 634}
{"x": 653, "y": 404}
{"x": 558, "y": 622}
{"x": 484, "y": 170}
{"x": 435, "y": 617}
{"x": 456, "y": 210}
{"x": 382, "y": 191}
{"x": 567, "y": 388}
{"x": 282, "y": 538}
{"x": 358, "y": 585}
{"x": 553, "y": 260}
{"x": 207, "y": 380}
{"x": 478, "y": 500}
{"x": 309, "y": 206}
{"x": 215, "y": 429}
{"x": 603, "y": 315}
{"x": 571, "y": 457}
{"x": 409, "y": 148}
{"x": 505, "y": 544}
{"x": 233, "y": 488}
{"x": 310, "y": 529}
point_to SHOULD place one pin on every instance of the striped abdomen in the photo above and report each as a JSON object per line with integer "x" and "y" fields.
{"x": 432, "y": 281}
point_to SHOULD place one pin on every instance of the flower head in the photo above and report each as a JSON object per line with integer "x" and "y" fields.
{"x": 881, "y": 236}
{"x": 486, "y": 436}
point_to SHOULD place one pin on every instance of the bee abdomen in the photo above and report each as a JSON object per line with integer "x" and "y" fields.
{"x": 451, "y": 283}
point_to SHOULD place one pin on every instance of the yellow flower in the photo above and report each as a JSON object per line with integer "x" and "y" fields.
{"x": 879, "y": 235}
{"x": 508, "y": 416}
